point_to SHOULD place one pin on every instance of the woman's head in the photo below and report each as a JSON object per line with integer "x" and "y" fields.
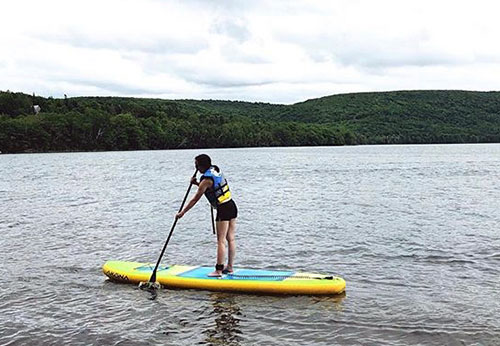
{"x": 202, "y": 162}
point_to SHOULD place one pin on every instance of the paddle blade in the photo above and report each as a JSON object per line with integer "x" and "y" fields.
{"x": 151, "y": 287}
{"x": 148, "y": 285}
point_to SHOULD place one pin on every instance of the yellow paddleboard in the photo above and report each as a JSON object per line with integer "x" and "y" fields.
{"x": 242, "y": 280}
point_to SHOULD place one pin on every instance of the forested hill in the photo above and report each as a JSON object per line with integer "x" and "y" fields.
{"x": 117, "y": 123}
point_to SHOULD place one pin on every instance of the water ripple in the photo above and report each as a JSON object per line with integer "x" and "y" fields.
{"x": 413, "y": 230}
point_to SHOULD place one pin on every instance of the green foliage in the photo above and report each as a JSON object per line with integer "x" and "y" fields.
{"x": 116, "y": 123}
{"x": 125, "y": 132}
{"x": 15, "y": 103}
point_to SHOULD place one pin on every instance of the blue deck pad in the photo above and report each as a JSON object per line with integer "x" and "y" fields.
{"x": 239, "y": 274}
{"x": 149, "y": 268}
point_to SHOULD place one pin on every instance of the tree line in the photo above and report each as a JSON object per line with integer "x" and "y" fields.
{"x": 117, "y": 123}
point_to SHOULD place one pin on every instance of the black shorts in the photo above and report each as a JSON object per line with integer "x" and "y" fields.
{"x": 227, "y": 211}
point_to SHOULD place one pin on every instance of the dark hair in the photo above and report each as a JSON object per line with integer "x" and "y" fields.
{"x": 204, "y": 161}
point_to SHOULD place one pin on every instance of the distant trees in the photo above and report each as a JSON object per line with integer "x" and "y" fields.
{"x": 14, "y": 103}
{"x": 115, "y": 123}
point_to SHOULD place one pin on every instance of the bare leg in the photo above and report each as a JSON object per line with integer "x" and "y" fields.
{"x": 231, "y": 244}
{"x": 222, "y": 228}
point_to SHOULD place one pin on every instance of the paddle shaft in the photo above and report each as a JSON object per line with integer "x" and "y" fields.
{"x": 213, "y": 221}
{"x": 153, "y": 276}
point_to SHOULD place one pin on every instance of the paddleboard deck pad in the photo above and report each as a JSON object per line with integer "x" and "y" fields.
{"x": 242, "y": 280}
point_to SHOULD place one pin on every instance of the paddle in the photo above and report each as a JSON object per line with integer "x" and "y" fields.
{"x": 213, "y": 221}
{"x": 151, "y": 285}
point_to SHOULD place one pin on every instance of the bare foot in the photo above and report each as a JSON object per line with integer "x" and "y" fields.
{"x": 215, "y": 274}
{"x": 228, "y": 270}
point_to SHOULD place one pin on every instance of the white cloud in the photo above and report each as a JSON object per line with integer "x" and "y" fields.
{"x": 271, "y": 51}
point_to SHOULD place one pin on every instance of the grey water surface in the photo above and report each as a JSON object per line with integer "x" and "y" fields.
{"x": 414, "y": 231}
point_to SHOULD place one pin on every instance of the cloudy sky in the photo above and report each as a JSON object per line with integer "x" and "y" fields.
{"x": 268, "y": 51}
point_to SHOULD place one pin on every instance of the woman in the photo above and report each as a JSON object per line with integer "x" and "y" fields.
{"x": 215, "y": 188}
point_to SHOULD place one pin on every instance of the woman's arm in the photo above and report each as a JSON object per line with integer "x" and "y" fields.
{"x": 202, "y": 187}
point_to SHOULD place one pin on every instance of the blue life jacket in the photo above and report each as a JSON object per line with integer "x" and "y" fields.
{"x": 219, "y": 193}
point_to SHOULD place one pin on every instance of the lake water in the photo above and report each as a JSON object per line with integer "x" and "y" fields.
{"x": 414, "y": 231}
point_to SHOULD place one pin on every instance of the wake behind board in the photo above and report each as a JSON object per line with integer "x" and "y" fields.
{"x": 242, "y": 280}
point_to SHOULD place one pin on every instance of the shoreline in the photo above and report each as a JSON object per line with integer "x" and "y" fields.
{"x": 247, "y": 147}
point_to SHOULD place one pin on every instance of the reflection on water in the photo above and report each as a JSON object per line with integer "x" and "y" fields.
{"x": 330, "y": 302}
{"x": 226, "y": 327}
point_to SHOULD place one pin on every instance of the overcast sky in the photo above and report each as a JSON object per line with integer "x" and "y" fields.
{"x": 268, "y": 51}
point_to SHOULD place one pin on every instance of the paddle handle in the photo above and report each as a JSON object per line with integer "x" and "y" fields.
{"x": 153, "y": 275}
